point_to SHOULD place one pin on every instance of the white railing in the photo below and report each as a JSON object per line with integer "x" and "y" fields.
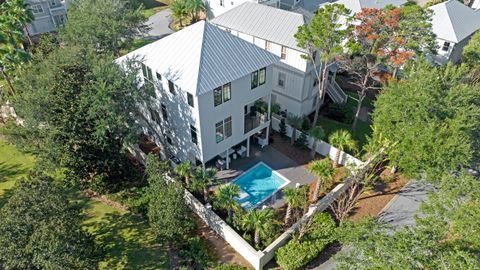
{"x": 336, "y": 92}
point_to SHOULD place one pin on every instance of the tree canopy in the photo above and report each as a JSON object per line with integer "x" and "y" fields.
{"x": 40, "y": 228}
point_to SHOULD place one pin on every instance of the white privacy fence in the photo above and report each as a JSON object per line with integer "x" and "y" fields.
{"x": 323, "y": 148}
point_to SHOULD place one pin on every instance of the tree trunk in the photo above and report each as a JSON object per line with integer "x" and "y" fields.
{"x": 187, "y": 181}
{"x": 336, "y": 161}
{"x": 288, "y": 214}
{"x": 294, "y": 133}
{"x": 28, "y": 35}
{"x": 317, "y": 189}
{"x": 256, "y": 238}
{"x": 205, "y": 193}
{"x": 393, "y": 170}
{"x": 313, "y": 150}
{"x": 321, "y": 92}
{"x": 357, "y": 114}
{"x": 9, "y": 82}
{"x": 230, "y": 213}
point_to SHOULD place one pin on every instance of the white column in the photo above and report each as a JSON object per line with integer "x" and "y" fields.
{"x": 269, "y": 112}
{"x": 203, "y": 166}
{"x": 248, "y": 147}
{"x": 268, "y": 133}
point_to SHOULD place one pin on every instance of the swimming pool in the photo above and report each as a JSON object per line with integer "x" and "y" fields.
{"x": 258, "y": 184}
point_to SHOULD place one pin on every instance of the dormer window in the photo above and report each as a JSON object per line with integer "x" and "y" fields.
{"x": 446, "y": 46}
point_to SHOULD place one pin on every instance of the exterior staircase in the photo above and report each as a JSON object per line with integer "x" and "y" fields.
{"x": 335, "y": 92}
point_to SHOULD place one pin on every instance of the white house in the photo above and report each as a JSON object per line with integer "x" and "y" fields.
{"x": 48, "y": 15}
{"x": 206, "y": 83}
{"x": 216, "y": 8}
{"x": 357, "y": 5}
{"x": 294, "y": 81}
{"x": 453, "y": 23}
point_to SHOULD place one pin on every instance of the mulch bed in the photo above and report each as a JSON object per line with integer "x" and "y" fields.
{"x": 101, "y": 198}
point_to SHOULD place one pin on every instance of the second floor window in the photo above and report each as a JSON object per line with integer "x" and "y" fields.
{"x": 53, "y": 3}
{"x": 258, "y": 77}
{"x": 221, "y": 3}
{"x": 222, "y": 94}
{"x": 281, "y": 79}
{"x": 190, "y": 99}
{"x": 283, "y": 54}
{"x": 268, "y": 45}
{"x": 159, "y": 77}
{"x": 36, "y": 9}
{"x": 164, "y": 112}
{"x": 223, "y": 129}
{"x": 193, "y": 133}
{"x": 147, "y": 72}
{"x": 155, "y": 116}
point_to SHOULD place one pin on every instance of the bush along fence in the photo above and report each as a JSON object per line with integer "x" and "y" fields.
{"x": 322, "y": 148}
{"x": 259, "y": 258}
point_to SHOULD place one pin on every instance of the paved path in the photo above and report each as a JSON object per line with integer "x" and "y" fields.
{"x": 400, "y": 211}
{"x": 158, "y": 24}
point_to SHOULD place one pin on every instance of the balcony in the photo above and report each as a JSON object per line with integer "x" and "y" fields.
{"x": 253, "y": 120}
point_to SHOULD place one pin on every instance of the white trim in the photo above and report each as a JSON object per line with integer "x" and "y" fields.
{"x": 273, "y": 172}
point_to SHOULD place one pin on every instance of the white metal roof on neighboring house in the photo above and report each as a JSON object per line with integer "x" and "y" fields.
{"x": 357, "y": 5}
{"x": 202, "y": 57}
{"x": 453, "y": 21}
{"x": 265, "y": 22}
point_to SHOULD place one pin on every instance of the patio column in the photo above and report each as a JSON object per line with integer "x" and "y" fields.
{"x": 248, "y": 147}
{"x": 269, "y": 107}
{"x": 203, "y": 166}
{"x": 268, "y": 134}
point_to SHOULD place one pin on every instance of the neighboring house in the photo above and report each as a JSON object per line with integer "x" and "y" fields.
{"x": 206, "y": 85}
{"x": 453, "y": 23}
{"x": 294, "y": 82}
{"x": 48, "y": 15}
{"x": 218, "y": 7}
{"x": 357, "y": 5}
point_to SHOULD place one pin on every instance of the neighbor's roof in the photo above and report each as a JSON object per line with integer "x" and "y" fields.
{"x": 453, "y": 21}
{"x": 265, "y": 22}
{"x": 357, "y": 5}
{"x": 202, "y": 57}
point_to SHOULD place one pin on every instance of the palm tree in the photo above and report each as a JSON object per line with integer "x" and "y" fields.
{"x": 324, "y": 171}
{"x": 202, "y": 179}
{"x": 295, "y": 122}
{"x": 295, "y": 197}
{"x": 194, "y": 7}
{"x": 226, "y": 197}
{"x": 342, "y": 140}
{"x": 179, "y": 10}
{"x": 183, "y": 170}
{"x": 317, "y": 133}
{"x": 258, "y": 221}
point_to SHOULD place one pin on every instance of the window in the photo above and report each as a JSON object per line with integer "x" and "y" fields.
{"x": 262, "y": 75}
{"x": 159, "y": 77}
{"x": 169, "y": 140}
{"x": 155, "y": 116}
{"x": 37, "y": 9}
{"x": 268, "y": 45}
{"x": 254, "y": 81}
{"x": 223, "y": 129}
{"x": 222, "y": 94}
{"x": 228, "y": 30}
{"x": 228, "y": 126}
{"x": 53, "y": 3}
{"x": 283, "y": 54}
{"x": 147, "y": 72}
{"x": 282, "y": 77}
{"x": 193, "y": 133}
{"x": 221, "y": 3}
{"x": 59, "y": 20}
{"x": 446, "y": 46}
{"x": 164, "y": 112}
{"x": 190, "y": 99}
{"x": 171, "y": 87}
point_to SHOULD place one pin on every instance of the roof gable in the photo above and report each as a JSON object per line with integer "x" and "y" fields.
{"x": 453, "y": 21}
{"x": 265, "y": 22}
{"x": 202, "y": 57}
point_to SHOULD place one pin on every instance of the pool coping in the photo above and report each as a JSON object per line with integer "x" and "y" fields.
{"x": 287, "y": 181}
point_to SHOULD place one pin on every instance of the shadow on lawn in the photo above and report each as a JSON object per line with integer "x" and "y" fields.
{"x": 128, "y": 243}
{"x": 153, "y": 3}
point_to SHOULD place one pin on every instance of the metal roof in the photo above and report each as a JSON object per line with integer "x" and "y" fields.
{"x": 453, "y": 21}
{"x": 202, "y": 57}
{"x": 265, "y": 22}
{"x": 357, "y": 5}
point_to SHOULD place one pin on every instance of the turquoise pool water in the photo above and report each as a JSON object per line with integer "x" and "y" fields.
{"x": 258, "y": 184}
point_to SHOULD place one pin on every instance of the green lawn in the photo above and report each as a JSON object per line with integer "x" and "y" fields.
{"x": 127, "y": 239}
{"x": 154, "y": 6}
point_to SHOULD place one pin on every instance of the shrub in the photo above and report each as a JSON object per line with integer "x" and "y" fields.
{"x": 229, "y": 267}
{"x": 195, "y": 254}
{"x": 283, "y": 129}
{"x": 298, "y": 252}
{"x": 301, "y": 141}
{"x": 340, "y": 113}
{"x": 305, "y": 124}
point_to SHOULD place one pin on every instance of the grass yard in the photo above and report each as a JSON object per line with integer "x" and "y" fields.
{"x": 154, "y": 6}
{"x": 127, "y": 239}
{"x": 360, "y": 135}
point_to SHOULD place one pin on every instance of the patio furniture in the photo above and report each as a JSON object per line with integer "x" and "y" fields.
{"x": 242, "y": 152}
{"x": 221, "y": 164}
{"x": 234, "y": 155}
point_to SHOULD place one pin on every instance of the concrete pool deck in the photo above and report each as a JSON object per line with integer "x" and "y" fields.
{"x": 276, "y": 160}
